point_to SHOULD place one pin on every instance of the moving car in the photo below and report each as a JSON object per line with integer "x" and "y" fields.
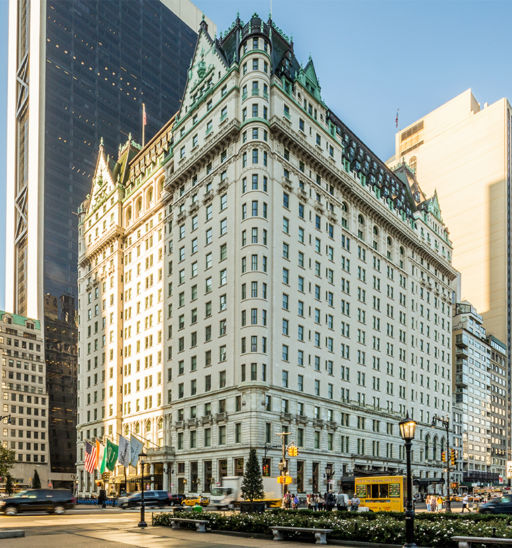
{"x": 176, "y": 500}
{"x": 501, "y": 505}
{"x": 193, "y": 500}
{"x": 151, "y": 498}
{"x": 54, "y": 501}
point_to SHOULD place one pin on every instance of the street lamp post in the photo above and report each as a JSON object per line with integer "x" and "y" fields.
{"x": 446, "y": 424}
{"x": 142, "y": 522}
{"x": 407, "y": 430}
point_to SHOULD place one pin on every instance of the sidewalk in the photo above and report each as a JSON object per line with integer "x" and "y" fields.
{"x": 152, "y": 537}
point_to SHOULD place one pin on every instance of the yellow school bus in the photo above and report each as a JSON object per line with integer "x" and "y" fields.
{"x": 381, "y": 493}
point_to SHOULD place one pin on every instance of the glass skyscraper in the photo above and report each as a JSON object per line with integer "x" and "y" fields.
{"x": 79, "y": 71}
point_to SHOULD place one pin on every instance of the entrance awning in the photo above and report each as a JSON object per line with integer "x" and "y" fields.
{"x": 423, "y": 482}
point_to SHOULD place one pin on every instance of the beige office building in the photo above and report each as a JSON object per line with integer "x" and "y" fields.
{"x": 462, "y": 149}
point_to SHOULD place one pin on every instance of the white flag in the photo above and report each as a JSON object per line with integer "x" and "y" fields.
{"x": 135, "y": 449}
{"x": 124, "y": 451}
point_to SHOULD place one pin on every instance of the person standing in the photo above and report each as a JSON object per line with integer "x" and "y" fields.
{"x": 433, "y": 503}
{"x": 439, "y": 503}
{"x": 354, "y": 503}
{"x": 427, "y": 500}
{"x": 102, "y": 498}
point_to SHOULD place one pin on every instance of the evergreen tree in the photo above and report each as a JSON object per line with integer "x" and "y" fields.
{"x": 36, "y": 482}
{"x": 7, "y": 457}
{"x": 252, "y": 484}
{"x": 9, "y": 487}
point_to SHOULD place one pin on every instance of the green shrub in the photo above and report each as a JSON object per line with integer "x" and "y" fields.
{"x": 433, "y": 530}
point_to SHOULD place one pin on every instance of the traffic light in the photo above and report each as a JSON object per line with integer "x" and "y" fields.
{"x": 443, "y": 456}
{"x": 293, "y": 450}
{"x": 452, "y": 456}
{"x": 266, "y": 470}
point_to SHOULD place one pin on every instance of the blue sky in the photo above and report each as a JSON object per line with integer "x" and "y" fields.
{"x": 371, "y": 57}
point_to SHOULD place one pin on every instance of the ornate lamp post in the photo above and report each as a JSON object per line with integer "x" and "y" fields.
{"x": 407, "y": 430}
{"x": 142, "y": 522}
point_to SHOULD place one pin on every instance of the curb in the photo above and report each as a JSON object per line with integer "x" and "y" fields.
{"x": 12, "y": 533}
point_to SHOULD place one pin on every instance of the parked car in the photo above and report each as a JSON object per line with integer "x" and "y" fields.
{"x": 501, "y": 505}
{"x": 193, "y": 500}
{"x": 54, "y": 501}
{"x": 151, "y": 498}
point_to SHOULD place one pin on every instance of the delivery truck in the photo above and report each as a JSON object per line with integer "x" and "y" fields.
{"x": 229, "y": 493}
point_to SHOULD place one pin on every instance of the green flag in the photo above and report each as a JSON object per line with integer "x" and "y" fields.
{"x": 103, "y": 459}
{"x": 111, "y": 455}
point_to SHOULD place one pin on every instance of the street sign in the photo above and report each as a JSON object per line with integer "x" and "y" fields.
{"x": 284, "y": 479}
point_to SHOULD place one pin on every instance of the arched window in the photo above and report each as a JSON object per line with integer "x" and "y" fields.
{"x": 148, "y": 426}
{"x": 427, "y": 442}
{"x": 375, "y": 231}
{"x": 390, "y": 241}
{"x": 137, "y": 427}
{"x": 128, "y": 214}
{"x": 401, "y": 250}
{"x": 160, "y": 423}
{"x": 150, "y": 196}
{"x": 160, "y": 185}
{"x": 360, "y": 218}
{"x": 434, "y": 449}
{"x": 138, "y": 206}
{"x": 344, "y": 207}
{"x": 126, "y": 429}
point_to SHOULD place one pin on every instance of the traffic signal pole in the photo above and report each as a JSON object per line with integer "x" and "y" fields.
{"x": 446, "y": 423}
{"x": 284, "y": 464}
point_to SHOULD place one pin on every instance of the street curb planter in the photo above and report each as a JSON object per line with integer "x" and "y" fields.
{"x": 252, "y": 507}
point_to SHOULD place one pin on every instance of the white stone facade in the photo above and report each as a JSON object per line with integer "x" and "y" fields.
{"x": 268, "y": 284}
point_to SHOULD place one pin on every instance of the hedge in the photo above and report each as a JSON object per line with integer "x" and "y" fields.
{"x": 380, "y": 527}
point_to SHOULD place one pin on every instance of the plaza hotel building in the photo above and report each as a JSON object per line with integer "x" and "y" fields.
{"x": 255, "y": 269}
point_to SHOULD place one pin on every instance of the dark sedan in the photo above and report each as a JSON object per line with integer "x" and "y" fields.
{"x": 501, "y": 505}
{"x": 151, "y": 498}
{"x": 54, "y": 501}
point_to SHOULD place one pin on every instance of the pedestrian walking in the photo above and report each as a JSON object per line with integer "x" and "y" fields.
{"x": 465, "y": 502}
{"x": 321, "y": 502}
{"x": 295, "y": 502}
{"x": 433, "y": 503}
{"x": 341, "y": 502}
{"x": 315, "y": 502}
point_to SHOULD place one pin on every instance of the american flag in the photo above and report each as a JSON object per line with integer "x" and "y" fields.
{"x": 90, "y": 457}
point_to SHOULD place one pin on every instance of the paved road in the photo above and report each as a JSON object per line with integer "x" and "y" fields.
{"x": 112, "y": 529}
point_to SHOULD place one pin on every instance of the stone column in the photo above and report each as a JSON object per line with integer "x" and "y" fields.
{"x": 165, "y": 477}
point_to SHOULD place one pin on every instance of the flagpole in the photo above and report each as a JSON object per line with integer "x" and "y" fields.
{"x": 143, "y": 124}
